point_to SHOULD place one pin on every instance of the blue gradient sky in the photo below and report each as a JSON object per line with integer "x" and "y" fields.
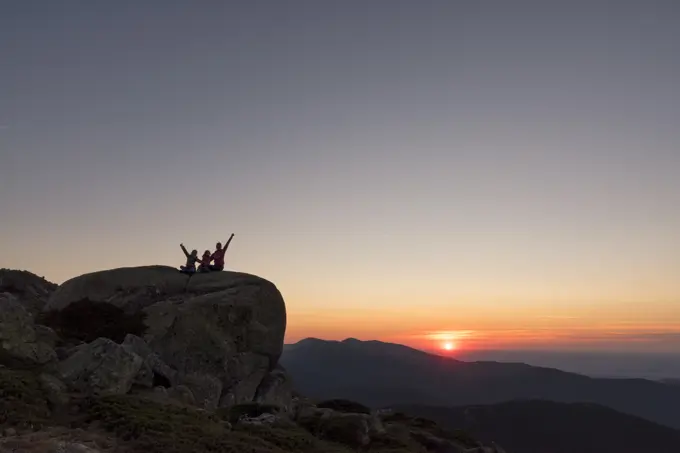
{"x": 399, "y": 168}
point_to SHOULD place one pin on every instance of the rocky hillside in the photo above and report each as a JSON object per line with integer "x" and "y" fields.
{"x": 150, "y": 360}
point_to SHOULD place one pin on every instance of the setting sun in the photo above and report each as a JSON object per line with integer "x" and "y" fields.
{"x": 448, "y": 340}
{"x": 449, "y": 346}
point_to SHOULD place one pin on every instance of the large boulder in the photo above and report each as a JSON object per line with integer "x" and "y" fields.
{"x": 219, "y": 334}
{"x": 129, "y": 288}
{"x": 31, "y": 290}
{"x": 20, "y": 344}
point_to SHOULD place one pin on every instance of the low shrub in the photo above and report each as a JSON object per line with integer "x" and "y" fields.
{"x": 292, "y": 439}
{"x": 22, "y": 401}
{"x": 152, "y": 427}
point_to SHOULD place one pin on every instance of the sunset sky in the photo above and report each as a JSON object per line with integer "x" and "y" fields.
{"x": 495, "y": 174}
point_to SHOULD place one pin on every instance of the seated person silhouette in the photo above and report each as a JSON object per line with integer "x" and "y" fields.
{"x": 205, "y": 262}
{"x": 192, "y": 258}
{"x": 218, "y": 255}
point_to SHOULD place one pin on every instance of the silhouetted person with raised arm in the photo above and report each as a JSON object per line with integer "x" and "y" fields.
{"x": 218, "y": 255}
{"x": 192, "y": 258}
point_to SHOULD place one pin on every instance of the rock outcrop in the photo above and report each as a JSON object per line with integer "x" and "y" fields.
{"x": 276, "y": 389}
{"x": 349, "y": 428}
{"x": 20, "y": 344}
{"x": 33, "y": 291}
{"x": 219, "y": 334}
{"x": 102, "y": 367}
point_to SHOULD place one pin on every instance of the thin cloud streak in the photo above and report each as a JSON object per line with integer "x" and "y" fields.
{"x": 516, "y": 338}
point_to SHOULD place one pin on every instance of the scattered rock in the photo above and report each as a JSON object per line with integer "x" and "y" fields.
{"x": 70, "y": 447}
{"x": 46, "y": 335}
{"x": 154, "y": 371}
{"x": 100, "y": 368}
{"x": 310, "y": 417}
{"x": 483, "y": 449}
{"x": 249, "y": 370}
{"x": 19, "y": 344}
{"x": 434, "y": 443}
{"x": 250, "y": 411}
{"x": 137, "y": 345}
{"x": 348, "y": 429}
{"x": 353, "y": 429}
{"x": 261, "y": 420}
{"x": 375, "y": 426}
{"x": 161, "y": 392}
{"x": 276, "y": 388}
{"x": 299, "y": 404}
{"x": 144, "y": 377}
{"x": 182, "y": 394}
{"x": 55, "y": 390}
{"x": 64, "y": 352}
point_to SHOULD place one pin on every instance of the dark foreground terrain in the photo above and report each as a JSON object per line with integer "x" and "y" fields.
{"x": 131, "y": 424}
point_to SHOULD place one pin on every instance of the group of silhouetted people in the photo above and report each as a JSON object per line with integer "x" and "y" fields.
{"x": 208, "y": 262}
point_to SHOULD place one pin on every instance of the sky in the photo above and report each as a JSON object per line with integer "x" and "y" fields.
{"x": 487, "y": 173}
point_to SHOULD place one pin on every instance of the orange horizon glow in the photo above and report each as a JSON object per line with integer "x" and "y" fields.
{"x": 644, "y": 337}
{"x": 427, "y": 322}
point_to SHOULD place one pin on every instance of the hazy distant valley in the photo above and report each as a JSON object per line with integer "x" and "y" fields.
{"x": 655, "y": 366}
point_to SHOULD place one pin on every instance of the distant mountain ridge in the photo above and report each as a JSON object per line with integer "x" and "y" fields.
{"x": 385, "y": 374}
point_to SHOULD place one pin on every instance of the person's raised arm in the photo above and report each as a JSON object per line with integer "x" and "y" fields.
{"x": 184, "y": 250}
{"x": 230, "y": 238}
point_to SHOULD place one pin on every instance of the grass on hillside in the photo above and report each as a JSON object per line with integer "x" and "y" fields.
{"x": 419, "y": 425}
{"x": 22, "y": 401}
{"x": 152, "y": 427}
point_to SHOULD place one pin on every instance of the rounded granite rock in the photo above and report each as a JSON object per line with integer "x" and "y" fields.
{"x": 223, "y": 326}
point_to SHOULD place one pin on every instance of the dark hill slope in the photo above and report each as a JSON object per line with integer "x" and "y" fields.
{"x": 384, "y": 374}
{"x": 549, "y": 427}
